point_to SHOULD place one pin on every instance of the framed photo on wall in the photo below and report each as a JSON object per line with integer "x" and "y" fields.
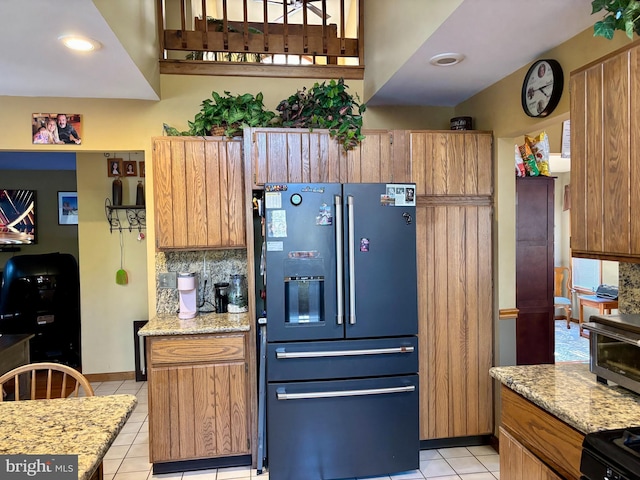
{"x": 114, "y": 167}
{"x": 67, "y": 208}
{"x": 56, "y": 128}
{"x": 141, "y": 169}
{"x": 130, "y": 168}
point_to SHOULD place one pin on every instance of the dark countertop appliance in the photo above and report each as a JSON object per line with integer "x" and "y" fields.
{"x": 611, "y": 455}
{"x": 342, "y": 351}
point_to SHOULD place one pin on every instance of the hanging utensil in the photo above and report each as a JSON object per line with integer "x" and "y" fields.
{"x": 122, "y": 278}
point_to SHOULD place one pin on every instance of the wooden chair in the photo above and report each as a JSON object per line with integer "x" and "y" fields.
{"x": 563, "y": 292}
{"x": 59, "y": 379}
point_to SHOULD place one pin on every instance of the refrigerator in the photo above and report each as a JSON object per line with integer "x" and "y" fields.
{"x": 341, "y": 334}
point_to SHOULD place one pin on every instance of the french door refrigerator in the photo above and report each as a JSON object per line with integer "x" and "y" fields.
{"x": 342, "y": 354}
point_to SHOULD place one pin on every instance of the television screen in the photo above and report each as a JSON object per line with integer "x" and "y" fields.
{"x": 17, "y": 217}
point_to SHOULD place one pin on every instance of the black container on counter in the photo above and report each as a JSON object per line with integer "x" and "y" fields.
{"x": 461, "y": 123}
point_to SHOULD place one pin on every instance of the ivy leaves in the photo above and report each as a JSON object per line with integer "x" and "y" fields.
{"x": 327, "y": 106}
{"x": 623, "y": 15}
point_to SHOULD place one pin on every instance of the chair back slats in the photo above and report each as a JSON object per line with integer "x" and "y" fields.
{"x": 64, "y": 374}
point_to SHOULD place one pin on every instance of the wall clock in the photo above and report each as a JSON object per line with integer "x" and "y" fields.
{"x": 542, "y": 88}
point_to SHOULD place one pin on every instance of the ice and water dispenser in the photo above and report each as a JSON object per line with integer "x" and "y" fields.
{"x": 304, "y": 290}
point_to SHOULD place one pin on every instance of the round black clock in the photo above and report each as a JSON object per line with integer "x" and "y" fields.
{"x": 542, "y": 88}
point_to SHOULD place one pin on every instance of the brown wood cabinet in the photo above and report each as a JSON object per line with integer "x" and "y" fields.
{"x": 198, "y": 397}
{"x": 537, "y": 437}
{"x": 534, "y": 270}
{"x": 605, "y": 199}
{"x": 298, "y": 155}
{"x": 453, "y": 173}
{"x": 198, "y": 193}
{"x": 516, "y": 462}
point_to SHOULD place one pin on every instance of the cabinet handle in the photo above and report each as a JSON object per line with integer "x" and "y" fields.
{"x": 344, "y": 393}
{"x": 344, "y": 353}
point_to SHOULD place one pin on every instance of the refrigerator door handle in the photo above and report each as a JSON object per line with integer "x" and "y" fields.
{"x": 352, "y": 266}
{"x": 337, "y": 200}
{"x": 343, "y": 353}
{"x": 344, "y": 393}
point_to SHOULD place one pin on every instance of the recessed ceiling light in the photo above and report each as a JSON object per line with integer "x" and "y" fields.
{"x": 80, "y": 43}
{"x": 446, "y": 59}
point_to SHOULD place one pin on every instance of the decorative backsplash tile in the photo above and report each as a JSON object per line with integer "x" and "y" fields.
{"x": 219, "y": 264}
{"x": 629, "y": 287}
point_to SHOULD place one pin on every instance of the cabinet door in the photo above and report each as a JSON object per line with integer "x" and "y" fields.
{"x": 292, "y": 155}
{"x": 452, "y": 163}
{"x": 198, "y": 192}
{"x": 455, "y": 319}
{"x": 198, "y": 396}
{"x": 518, "y": 463}
{"x": 199, "y": 411}
{"x": 298, "y": 155}
{"x": 605, "y": 203}
{"x": 534, "y": 270}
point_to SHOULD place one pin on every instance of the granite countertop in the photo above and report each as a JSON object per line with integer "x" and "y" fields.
{"x": 170, "y": 324}
{"x": 571, "y": 393}
{"x": 85, "y": 426}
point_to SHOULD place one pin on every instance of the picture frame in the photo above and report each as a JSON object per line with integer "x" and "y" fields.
{"x": 67, "y": 208}
{"x": 141, "y": 169}
{"x": 130, "y": 168}
{"x": 56, "y": 128}
{"x": 114, "y": 167}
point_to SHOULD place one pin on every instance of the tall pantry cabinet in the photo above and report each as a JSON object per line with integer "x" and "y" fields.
{"x": 534, "y": 270}
{"x": 453, "y": 172}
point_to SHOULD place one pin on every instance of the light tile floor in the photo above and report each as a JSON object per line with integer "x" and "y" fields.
{"x": 128, "y": 457}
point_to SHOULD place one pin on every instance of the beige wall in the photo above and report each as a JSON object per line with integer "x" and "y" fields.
{"x": 498, "y": 108}
{"x": 123, "y": 126}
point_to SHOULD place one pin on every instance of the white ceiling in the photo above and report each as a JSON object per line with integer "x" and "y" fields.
{"x": 496, "y": 36}
{"x": 34, "y": 63}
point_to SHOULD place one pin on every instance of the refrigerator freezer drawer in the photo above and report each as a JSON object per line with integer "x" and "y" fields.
{"x": 343, "y": 429}
{"x": 342, "y": 359}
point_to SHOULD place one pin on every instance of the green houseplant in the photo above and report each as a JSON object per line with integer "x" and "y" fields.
{"x": 229, "y": 114}
{"x": 325, "y": 105}
{"x": 621, "y": 15}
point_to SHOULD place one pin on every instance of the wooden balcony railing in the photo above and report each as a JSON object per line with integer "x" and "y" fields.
{"x": 262, "y": 37}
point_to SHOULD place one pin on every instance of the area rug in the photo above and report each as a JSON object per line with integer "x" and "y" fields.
{"x": 570, "y": 346}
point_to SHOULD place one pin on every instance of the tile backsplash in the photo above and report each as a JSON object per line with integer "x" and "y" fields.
{"x": 218, "y": 264}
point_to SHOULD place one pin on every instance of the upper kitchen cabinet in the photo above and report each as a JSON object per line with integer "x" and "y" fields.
{"x": 451, "y": 162}
{"x": 605, "y": 200}
{"x": 299, "y": 155}
{"x": 198, "y": 193}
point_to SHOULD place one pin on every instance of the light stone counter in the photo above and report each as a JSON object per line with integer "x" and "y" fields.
{"x": 71, "y": 426}
{"x": 571, "y": 393}
{"x": 170, "y": 324}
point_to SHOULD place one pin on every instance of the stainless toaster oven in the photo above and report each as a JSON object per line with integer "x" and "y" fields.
{"x": 615, "y": 349}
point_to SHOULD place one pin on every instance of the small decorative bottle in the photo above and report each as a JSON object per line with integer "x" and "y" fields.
{"x": 140, "y": 194}
{"x": 116, "y": 191}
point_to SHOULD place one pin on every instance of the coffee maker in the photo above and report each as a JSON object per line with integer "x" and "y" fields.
{"x": 188, "y": 293}
{"x": 221, "y": 296}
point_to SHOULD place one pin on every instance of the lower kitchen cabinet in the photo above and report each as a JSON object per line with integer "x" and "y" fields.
{"x": 198, "y": 397}
{"x": 535, "y": 441}
{"x": 516, "y": 462}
